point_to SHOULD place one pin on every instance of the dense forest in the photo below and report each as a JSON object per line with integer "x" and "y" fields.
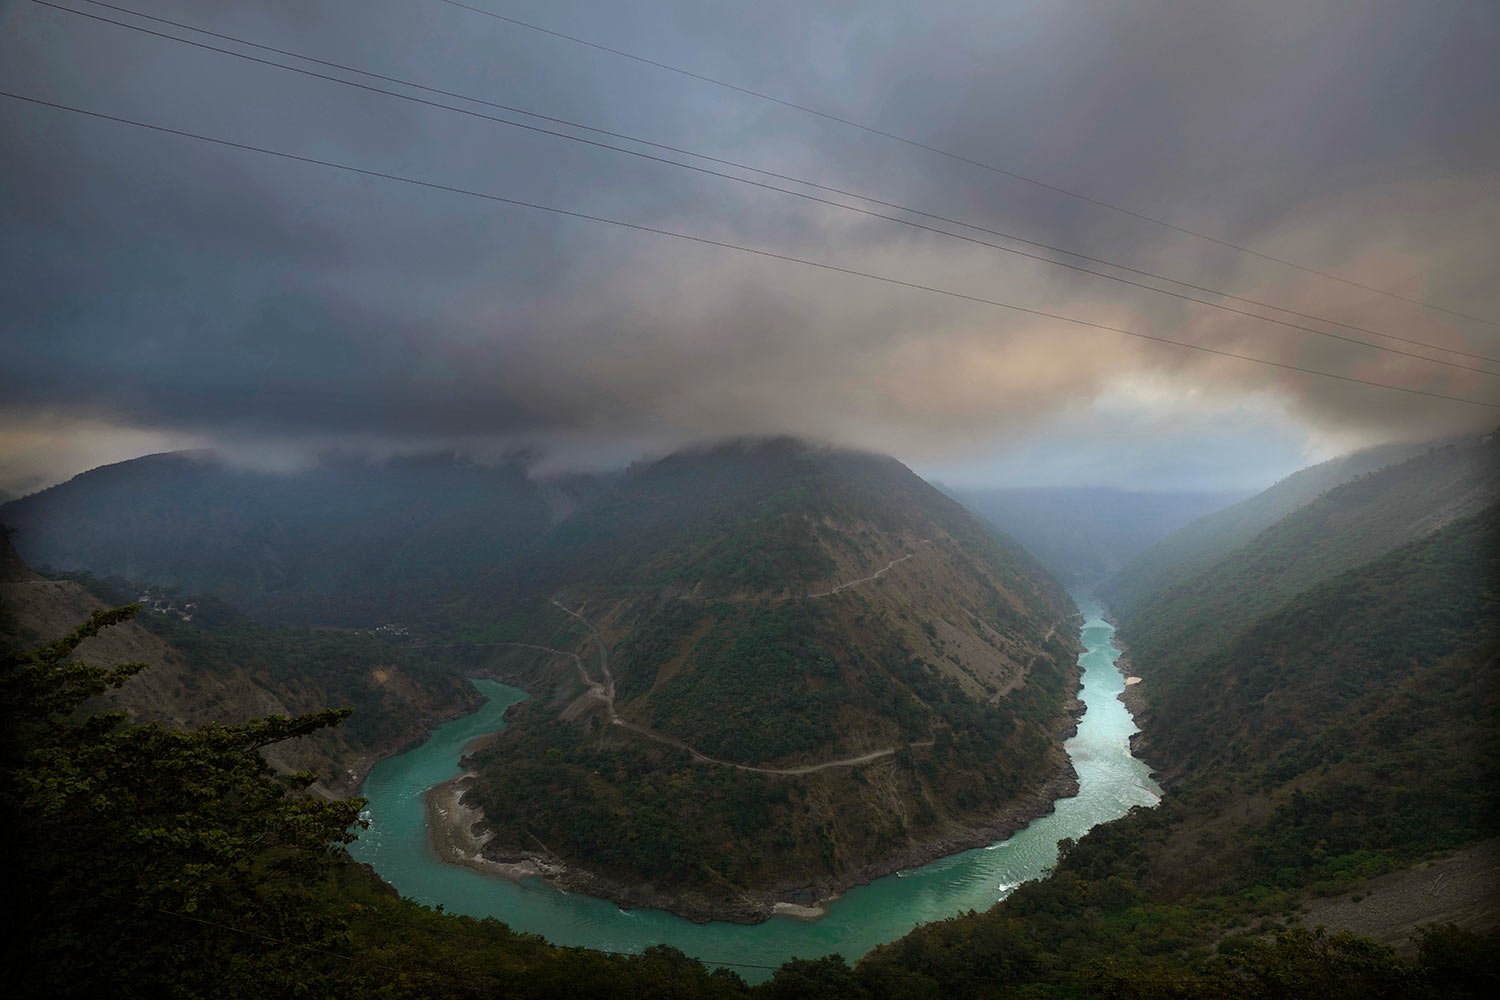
{"x": 1338, "y": 733}
{"x": 135, "y": 877}
{"x": 711, "y": 581}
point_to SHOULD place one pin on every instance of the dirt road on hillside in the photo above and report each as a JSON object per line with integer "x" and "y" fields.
{"x": 605, "y": 692}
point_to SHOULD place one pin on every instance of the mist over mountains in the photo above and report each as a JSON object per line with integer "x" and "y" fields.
{"x": 346, "y": 541}
{"x": 1083, "y": 535}
{"x": 761, "y": 671}
{"x": 459, "y": 532}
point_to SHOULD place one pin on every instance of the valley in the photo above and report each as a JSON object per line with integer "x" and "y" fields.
{"x": 666, "y": 500}
{"x": 784, "y": 707}
{"x": 399, "y": 845}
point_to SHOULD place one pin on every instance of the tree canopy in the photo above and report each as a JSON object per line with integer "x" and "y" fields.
{"x": 158, "y": 861}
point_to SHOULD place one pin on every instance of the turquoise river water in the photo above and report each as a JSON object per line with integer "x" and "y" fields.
{"x": 1111, "y": 781}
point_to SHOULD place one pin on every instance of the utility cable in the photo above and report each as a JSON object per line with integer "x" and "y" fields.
{"x": 873, "y": 130}
{"x": 706, "y": 241}
{"x": 770, "y": 187}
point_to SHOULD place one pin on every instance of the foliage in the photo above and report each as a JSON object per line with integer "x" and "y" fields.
{"x": 393, "y": 686}
{"x": 1349, "y": 732}
{"x": 165, "y": 851}
{"x": 767, "y": 664}
{"x": 647, "y": 811}
{"x": 1349, "y": 526}
{"x": 1190, "y": 551}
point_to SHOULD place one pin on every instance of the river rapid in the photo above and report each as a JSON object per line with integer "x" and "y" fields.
{"x": 1110, "y": 780}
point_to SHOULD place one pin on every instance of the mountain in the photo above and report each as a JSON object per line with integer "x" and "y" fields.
{"x": 208, "y": 664}
{"x": 1330, "y": 760}
{"x": 1084, "y": 535}
{"x": 1188, "y": 552}
{"x": 144, "y": 852}
{"x": 1345, "y": 527}
{"x": 345, "y": 542}
{"x": 775, "y": 670}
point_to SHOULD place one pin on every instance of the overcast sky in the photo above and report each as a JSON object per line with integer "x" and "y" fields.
{"x": 161, "y": 292}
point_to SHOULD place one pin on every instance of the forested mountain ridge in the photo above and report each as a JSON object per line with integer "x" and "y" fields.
{"x": 774, "y": 606}
{"x": 1345, "y": 527}
{"x": 1369, "y": 703}
{"x": 347, "y": 541}
{"x": 1364, "y": 706}
{"x": 1191, "y": 550}
{"x": 1347, "y": 732}
{"x": 1082, "y": 535}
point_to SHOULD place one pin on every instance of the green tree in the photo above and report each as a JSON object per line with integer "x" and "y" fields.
{"x": 155, "y": 861}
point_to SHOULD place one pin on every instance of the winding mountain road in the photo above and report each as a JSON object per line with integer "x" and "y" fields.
{"x": 605, "y": 692}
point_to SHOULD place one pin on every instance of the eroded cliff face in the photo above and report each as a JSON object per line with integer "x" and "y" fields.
{"x": 176, "y": 691}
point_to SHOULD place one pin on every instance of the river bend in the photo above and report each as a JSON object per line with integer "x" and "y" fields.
{"x": 1111, "y": 781}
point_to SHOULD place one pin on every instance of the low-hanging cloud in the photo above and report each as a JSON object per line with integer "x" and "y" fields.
{"x": 158, "y": 286}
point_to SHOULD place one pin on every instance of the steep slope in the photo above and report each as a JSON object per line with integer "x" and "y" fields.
{"x": 230, "y": 670}
{"x": 344, "y": 542}
{"x": 1084, "y": 535}
{"x": 1349, "y": 732}
{"x": 1373, "y": 693}
{"x": 1345, "y": 527}
{"x": 778, "y": 669}
{"x": 1190, "y": 551}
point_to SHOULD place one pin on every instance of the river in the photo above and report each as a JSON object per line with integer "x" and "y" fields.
{"x": 1111, "y": 781}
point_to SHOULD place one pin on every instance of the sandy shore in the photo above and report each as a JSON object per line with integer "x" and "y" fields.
{"x": 455, "y": 834}
{"x": 452, "y": 829}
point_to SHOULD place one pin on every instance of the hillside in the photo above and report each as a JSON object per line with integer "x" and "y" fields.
{"x": 779, "y": 669}
{"x": 1373, "y": 695}
{"x": 1346, "y": 734}
{"x": 1192, "y": 550}
{"x": 1347, "y": 526}
{"x": 1085, "y": 535}
{"x": 215, "y": 666}
{"x": 345, "y": 542}
{"x": 1102, "y": 926}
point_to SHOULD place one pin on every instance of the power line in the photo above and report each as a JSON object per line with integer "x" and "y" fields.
{"x": 873, "y": 130}
{"x": 770, "y": 187}
{"x": 705, "y": 241}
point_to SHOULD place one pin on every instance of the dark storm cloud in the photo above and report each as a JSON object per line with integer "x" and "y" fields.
{"x": 154, "y": 284}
